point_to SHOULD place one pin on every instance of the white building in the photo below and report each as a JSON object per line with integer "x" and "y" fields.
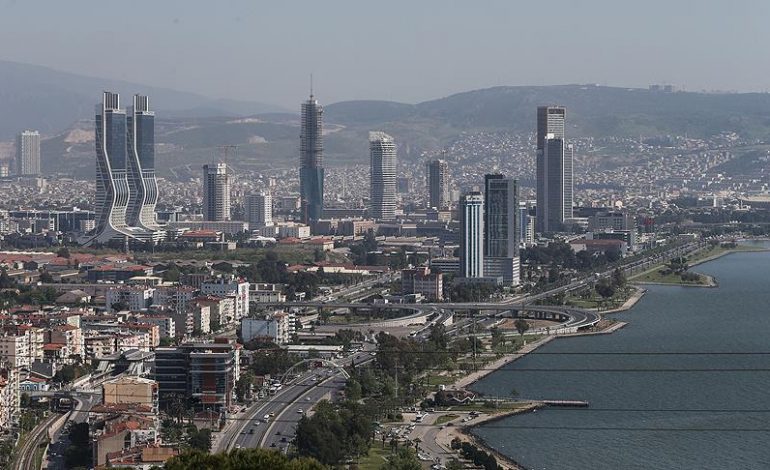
{"x": 266, "y": 293}
{"x": 10, "y": 398}
{"x": 175, "y": 298}
{"x": 259, "y": 210}
{"x": 292, "y": 230}
{"x": 166, "y": 325}
{"x": 382, "y": 176}
{"x": 137, "y": 298}
{"x": 14, "y": 350}
{"x": 472, "y": 235}
{"x": 28, "y": 153}
{"x": 232, "y": 288}
{"x": 275, "y": 327}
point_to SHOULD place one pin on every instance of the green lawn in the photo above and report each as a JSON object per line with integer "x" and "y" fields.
{"x": 445, "y": 419}
{"x": 376, "y": 457}
{"x": 435, "y": 379}
{"x": 658, "y": 276}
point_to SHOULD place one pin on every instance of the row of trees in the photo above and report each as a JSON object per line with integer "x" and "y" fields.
{"x": 240, "y": 459}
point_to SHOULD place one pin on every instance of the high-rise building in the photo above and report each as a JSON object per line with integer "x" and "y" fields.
{"x": 141, "y": 165}
{"x": 216, "y": 192}
{"x": 204, "y": 373}
{"x": 311, "y": 171}
{"x": 554, "y": 170}
{"x": 382, "y": 176}
{"x": 472, "y": 235}
{"x": 112, "y": 188}
{"x": 126, "y": 189}
{"x": 259, "y": 210}
{"x": 28, "y": 153}
{"x": 439, "y": 194}
{"x": 501, "y": 233}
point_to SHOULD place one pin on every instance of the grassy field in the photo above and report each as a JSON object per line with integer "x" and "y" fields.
{"x": 445, "y": 419}
{"x": 659, "y": 275}
{"x": 376, "y": 457}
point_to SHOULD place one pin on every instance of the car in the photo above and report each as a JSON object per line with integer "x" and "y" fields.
{"x": 300, "y": 411}
{"x": 251, "y": 431}
{"x": 307, "y": 398}
{"x": 283, "y": 439}
{"x": 237, "y": 446}
{"x": 266, "y": 417}
{"x": 271, "y": 414}
{"x": 278, "y": 433}
{"x": 272, "y": 444}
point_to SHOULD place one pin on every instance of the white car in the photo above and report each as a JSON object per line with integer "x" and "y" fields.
{"x": 301, "y": 411}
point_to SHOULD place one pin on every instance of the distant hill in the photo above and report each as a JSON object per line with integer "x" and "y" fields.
{"x": 35, "y": 97}
{"x": 188, "y": 135}
{"x": 591, "y": 111}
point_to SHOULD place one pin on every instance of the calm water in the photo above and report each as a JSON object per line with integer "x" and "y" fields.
{"x": 637, "y": 431}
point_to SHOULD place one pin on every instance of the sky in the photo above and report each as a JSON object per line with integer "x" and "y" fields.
{"x": 401, "y": 50}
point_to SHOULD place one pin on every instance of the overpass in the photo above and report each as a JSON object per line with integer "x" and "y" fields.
{"x": 572, "y": 318}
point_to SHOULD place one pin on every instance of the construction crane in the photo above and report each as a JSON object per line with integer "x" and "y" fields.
{"x": 224, "y": 152}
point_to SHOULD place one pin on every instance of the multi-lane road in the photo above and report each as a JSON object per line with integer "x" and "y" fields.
{"x": 250, "y": 428}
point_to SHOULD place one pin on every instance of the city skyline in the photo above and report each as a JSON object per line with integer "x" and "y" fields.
{"x": 171, "y": 47}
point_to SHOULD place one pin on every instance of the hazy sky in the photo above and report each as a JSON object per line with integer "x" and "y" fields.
{"x": 404, "y": 50}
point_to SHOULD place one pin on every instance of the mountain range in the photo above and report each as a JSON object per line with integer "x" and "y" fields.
{"x": 190, "y": 127}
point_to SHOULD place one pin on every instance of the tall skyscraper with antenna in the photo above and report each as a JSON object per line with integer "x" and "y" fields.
{"x": 311, "y": 171}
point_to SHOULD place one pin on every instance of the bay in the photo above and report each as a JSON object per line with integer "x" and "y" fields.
{"x": 661, "y": 395}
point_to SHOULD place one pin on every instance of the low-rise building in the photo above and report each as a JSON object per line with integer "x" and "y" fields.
{"x": 275, "y": 327}
{"x": 423, "y": 281}
{"x": 234, "y": 288}
{"x": 131, "y": 390}
{"x": 134, "y": 298}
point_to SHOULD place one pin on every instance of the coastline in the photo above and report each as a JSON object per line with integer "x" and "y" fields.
{"x": 445, "y": 436}
{"x": 466, "y": 432}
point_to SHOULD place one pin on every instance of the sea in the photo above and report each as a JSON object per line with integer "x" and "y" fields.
{"x": 684, "y": 385}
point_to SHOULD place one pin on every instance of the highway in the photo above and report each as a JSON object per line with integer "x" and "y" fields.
{"x": 307, "y": 390}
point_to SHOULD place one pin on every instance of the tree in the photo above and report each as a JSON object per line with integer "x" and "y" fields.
{"x": 119, "y": 306}
{"x": 605, "y": 288}
{"x": 45, "y": 277}
{"x": 63, "y": 252}
{"x": 243, "y": 386}
{"x": 240, "y": 459}
{"x": 521, "y": 325}
{"x": 172, "y": 274}
{"x": 200, "y": 439}
{"x": 404, "y": 459}
{"x": 498, "y": 338}
{"x": 5, "y": 280}
{"x": 78, "y": 454}
{"x": 618, "y": 278}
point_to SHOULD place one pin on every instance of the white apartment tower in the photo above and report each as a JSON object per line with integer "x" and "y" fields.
{"x": 28, "y": 153}
{"x": 382, "y": 176}
{"x": 259, "y": 210}
{"x": 216, "y": 192}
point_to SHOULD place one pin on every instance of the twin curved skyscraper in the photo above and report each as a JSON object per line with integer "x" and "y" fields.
{"x": 126, "y": 187}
